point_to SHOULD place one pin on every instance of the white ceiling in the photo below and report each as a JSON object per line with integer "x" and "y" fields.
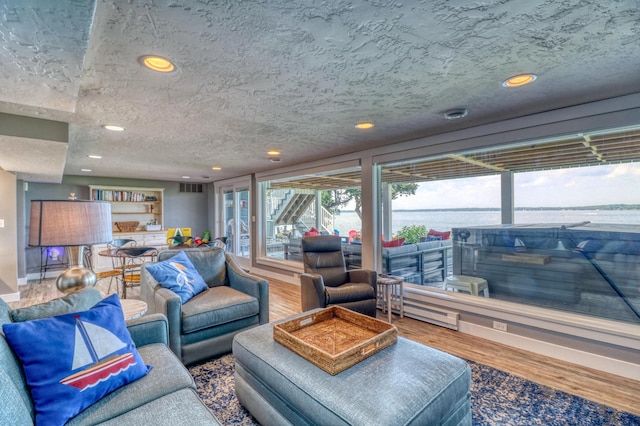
{"x": 289, "y": 75}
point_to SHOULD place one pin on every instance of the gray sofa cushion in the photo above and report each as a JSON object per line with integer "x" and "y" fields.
{"x": 168, "y": 410}
{"x": 75, "y": 302}
{"x": 167, "y": 375}
{"x": 15, "y": 411}
{"x": 395, "y": 251}
{"x": 12, "y": 370}
{"x": 218, "y": 305}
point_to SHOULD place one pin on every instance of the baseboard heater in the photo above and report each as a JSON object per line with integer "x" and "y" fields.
{"x": 433, "y": 315}
{"x": 417, "y": 306}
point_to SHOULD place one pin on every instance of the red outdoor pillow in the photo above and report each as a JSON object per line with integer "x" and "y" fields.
{"x": 393, "y": 243}
{"x": 443, "y": 235}
{"x": 311, "y": 232}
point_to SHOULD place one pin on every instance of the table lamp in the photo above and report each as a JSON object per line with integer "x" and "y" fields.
{"x": 72, "y": 224}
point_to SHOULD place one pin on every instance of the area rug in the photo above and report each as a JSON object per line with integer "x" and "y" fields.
{"x": 497, "y": 398}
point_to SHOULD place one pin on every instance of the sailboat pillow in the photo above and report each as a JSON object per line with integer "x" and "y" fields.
{"x": 71, "y": 361}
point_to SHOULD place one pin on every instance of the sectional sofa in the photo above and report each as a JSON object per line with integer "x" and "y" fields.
{"x": 165, "y": 396}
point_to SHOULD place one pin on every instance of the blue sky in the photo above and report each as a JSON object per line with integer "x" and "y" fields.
{"x": 619, "y": 183}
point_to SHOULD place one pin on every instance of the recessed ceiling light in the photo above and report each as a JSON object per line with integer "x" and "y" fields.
{"x": 365, "y": 125}
{"x": 95, "y": 156}
{"x": 157, "y": 63}
{"x": 519, "y": 80}
{"x": 216, "y": 168}
{"x": 455, "y": 114}
{"x": 186, "y": 177}
{"x": 113, "y": 128}
{"x": 273, "y": 152}
{"x": 85, "y": 170}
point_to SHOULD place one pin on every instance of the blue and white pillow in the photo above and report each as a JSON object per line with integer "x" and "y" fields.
{"x": 178, "y": 275}
{"x": 71, "y": 361}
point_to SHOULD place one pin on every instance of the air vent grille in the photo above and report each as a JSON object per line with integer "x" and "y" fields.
{"x": 190, "y": 187}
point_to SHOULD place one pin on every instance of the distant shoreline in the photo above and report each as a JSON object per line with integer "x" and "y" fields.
{"x": 485, "y": 209}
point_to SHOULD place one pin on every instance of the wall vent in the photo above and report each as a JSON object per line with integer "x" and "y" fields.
{"x": 190, "y": 187}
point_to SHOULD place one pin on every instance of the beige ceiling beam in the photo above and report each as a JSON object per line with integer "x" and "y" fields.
{"x": 33, "y": 128}
{"x": 33, "y": 148}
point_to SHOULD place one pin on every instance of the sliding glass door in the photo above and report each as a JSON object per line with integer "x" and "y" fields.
{"x": 235, "y": 220}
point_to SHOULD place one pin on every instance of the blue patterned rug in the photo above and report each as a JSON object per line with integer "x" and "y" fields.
{"x": 497, "y": 398}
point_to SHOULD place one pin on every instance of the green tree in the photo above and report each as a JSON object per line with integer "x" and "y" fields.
{"x": 334, "y": 199}
{"x": 412, "y": 233}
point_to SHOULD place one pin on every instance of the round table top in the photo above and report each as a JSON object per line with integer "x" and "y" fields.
{"x": 133, "y": 308}
{"x": 389, "y": 279}
{"x": 131, "y": 252}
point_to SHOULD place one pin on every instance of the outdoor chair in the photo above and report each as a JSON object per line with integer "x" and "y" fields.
{"x": 327, "y": 281}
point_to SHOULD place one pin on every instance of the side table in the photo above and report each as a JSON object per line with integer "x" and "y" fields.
{"x": 133, "y": 308}
{"x": 391, "y": 294}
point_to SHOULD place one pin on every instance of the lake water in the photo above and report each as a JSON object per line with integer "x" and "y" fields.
{"x": 443, "y": 220}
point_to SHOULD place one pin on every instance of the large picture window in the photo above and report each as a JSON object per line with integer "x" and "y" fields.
{"x": 314, "y": 203}
{"x": 553, "y": 224}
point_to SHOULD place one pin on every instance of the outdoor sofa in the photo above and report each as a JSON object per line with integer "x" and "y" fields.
{"x": 419, "y": 263}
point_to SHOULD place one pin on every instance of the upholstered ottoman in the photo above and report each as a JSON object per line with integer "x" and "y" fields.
{"x": 405, "y": 384}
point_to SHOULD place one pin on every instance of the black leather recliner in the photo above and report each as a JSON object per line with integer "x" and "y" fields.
{"x": 327, "y": 281}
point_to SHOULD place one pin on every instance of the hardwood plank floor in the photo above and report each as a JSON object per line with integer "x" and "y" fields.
{"x": 284, "y": 300}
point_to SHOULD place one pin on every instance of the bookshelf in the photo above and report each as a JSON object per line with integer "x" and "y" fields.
{"x": 144, "y": 205}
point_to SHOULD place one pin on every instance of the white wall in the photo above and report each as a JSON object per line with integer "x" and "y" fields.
{"x": 8, "y": 237}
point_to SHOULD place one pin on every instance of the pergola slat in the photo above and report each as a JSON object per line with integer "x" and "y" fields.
{"x": 583, "y": 150}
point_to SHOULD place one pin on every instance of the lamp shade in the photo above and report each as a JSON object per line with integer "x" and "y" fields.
{"x": 69, "y": 223}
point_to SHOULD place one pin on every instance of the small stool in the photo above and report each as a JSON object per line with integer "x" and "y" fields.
{"x": 472, "y": 285}
{"x": 391, "y": 294}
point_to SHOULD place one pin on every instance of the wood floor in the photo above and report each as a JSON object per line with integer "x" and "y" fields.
{"x": 609, "y": 389}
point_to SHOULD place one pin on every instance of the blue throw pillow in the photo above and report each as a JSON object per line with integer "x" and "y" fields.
{"x": 71, "y": 361}
{"x": 178, "y": 275}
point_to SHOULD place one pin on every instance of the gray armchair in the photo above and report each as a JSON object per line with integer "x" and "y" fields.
{"x": 205, "y": 325}
{"x": 327, "y": 281}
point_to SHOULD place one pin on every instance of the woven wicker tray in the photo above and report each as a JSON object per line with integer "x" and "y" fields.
{"x": 127, "y": 226}
{"x": 335, "y": 338}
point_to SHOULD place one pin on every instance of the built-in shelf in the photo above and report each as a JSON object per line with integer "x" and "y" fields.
{"x": 144, "y": 205}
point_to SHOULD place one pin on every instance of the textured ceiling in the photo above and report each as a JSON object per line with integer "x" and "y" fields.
{"x": 293, "y": 76}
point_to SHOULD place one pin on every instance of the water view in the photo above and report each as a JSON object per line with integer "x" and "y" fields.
{"x": 443, "y": 220}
